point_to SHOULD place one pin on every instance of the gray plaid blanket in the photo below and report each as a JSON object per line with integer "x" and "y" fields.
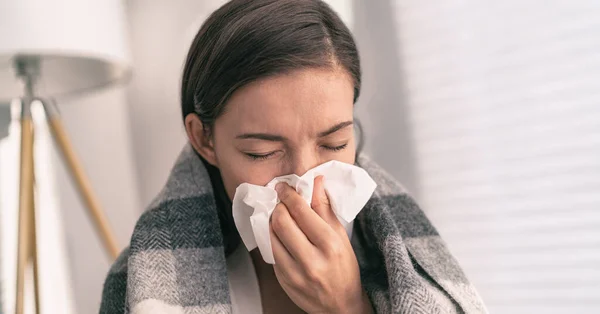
{"x": 175, "y": 262}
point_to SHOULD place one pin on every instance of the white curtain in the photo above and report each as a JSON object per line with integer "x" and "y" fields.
{"x": 502, "y": 100}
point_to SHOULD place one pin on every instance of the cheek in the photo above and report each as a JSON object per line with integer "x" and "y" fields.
{"x": 234, "y": 176}
{"x": 236, "y": 171}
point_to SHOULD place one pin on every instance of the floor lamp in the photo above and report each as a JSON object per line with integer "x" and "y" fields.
{"x": 57, "y": 49}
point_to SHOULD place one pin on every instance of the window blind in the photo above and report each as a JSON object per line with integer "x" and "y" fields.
{"x": 504, "y": 102}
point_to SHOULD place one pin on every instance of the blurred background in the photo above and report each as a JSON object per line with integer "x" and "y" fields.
{"x": 487, "y": 111}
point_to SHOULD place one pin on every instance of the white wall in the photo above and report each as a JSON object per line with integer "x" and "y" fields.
{"x": 161, "y": 32}
{"x": 382, "y": 107}
{"x": 99, "y": 129}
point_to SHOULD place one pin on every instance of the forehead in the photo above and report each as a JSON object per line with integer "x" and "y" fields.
{"x": 303, "y": 100}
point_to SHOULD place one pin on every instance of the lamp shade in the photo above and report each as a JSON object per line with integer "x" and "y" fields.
{"x": 81, "y": 44}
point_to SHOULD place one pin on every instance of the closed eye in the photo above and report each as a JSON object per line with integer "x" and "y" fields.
{"x": 335, "y": 148}
{"x": 260, "y": 156}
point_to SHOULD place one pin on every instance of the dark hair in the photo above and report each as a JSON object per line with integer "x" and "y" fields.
{"x": 245, "y": 40}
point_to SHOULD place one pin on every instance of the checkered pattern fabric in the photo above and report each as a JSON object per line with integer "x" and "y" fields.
{"x": 175, "y": 262}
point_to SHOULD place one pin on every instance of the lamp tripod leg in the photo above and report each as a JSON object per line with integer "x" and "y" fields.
{"x": 34, "y": 251}
{"x": 83, "y": 185}
{"x": 26, "y": 208}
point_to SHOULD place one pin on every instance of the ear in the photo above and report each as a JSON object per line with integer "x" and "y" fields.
{"x": 200, "y": 138}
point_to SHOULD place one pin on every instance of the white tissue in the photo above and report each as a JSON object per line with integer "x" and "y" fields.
{"x": 348, "y": 188}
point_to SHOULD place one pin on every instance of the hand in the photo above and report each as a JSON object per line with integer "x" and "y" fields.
{"x": 314, "y": 261}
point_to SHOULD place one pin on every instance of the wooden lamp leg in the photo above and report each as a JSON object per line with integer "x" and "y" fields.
{"x": 83, "y": 185}
{"x": 25, "y": 203}
{"x": 34, "y": 251}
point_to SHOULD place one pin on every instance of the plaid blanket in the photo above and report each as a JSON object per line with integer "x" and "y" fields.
{"x": 176, "y": 263}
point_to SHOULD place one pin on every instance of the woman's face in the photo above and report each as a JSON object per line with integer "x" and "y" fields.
{"x": 282, "y": 125}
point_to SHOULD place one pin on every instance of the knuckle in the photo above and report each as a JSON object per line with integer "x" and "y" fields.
{"x": 289, "y": 277}
{"x": 335, "y": 249}
{"x": 312, "y": 275}
{"x": 339, "y": 228}
{"x": 315, "y": 273}
{"x": 295, "y": 279}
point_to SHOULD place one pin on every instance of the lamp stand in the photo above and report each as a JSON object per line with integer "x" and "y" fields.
{"x": 28, "y": 70}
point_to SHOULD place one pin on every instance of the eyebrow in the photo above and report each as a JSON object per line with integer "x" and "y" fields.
{"x": 261, "y": 136}
{"x": 279, "y": 138}
{"x": 335, "y": 128}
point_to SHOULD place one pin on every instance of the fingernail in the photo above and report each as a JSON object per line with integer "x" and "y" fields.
{"x": 279, "y": 187}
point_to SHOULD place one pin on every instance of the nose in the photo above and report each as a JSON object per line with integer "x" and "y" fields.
{"x": 304, "y": 161}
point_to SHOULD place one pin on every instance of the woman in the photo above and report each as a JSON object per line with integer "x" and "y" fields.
{"x": 268, "y": 89}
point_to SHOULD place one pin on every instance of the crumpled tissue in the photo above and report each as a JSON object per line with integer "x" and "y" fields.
{"x": 348, "y": 187}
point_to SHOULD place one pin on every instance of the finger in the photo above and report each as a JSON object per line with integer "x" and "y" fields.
{"x": 312, "y": 225}
{"x": 320, "y": 201}
{"x": 288, "y": 232}
{"x": 321, "y": 204}
{"x": 284, "y": 262}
